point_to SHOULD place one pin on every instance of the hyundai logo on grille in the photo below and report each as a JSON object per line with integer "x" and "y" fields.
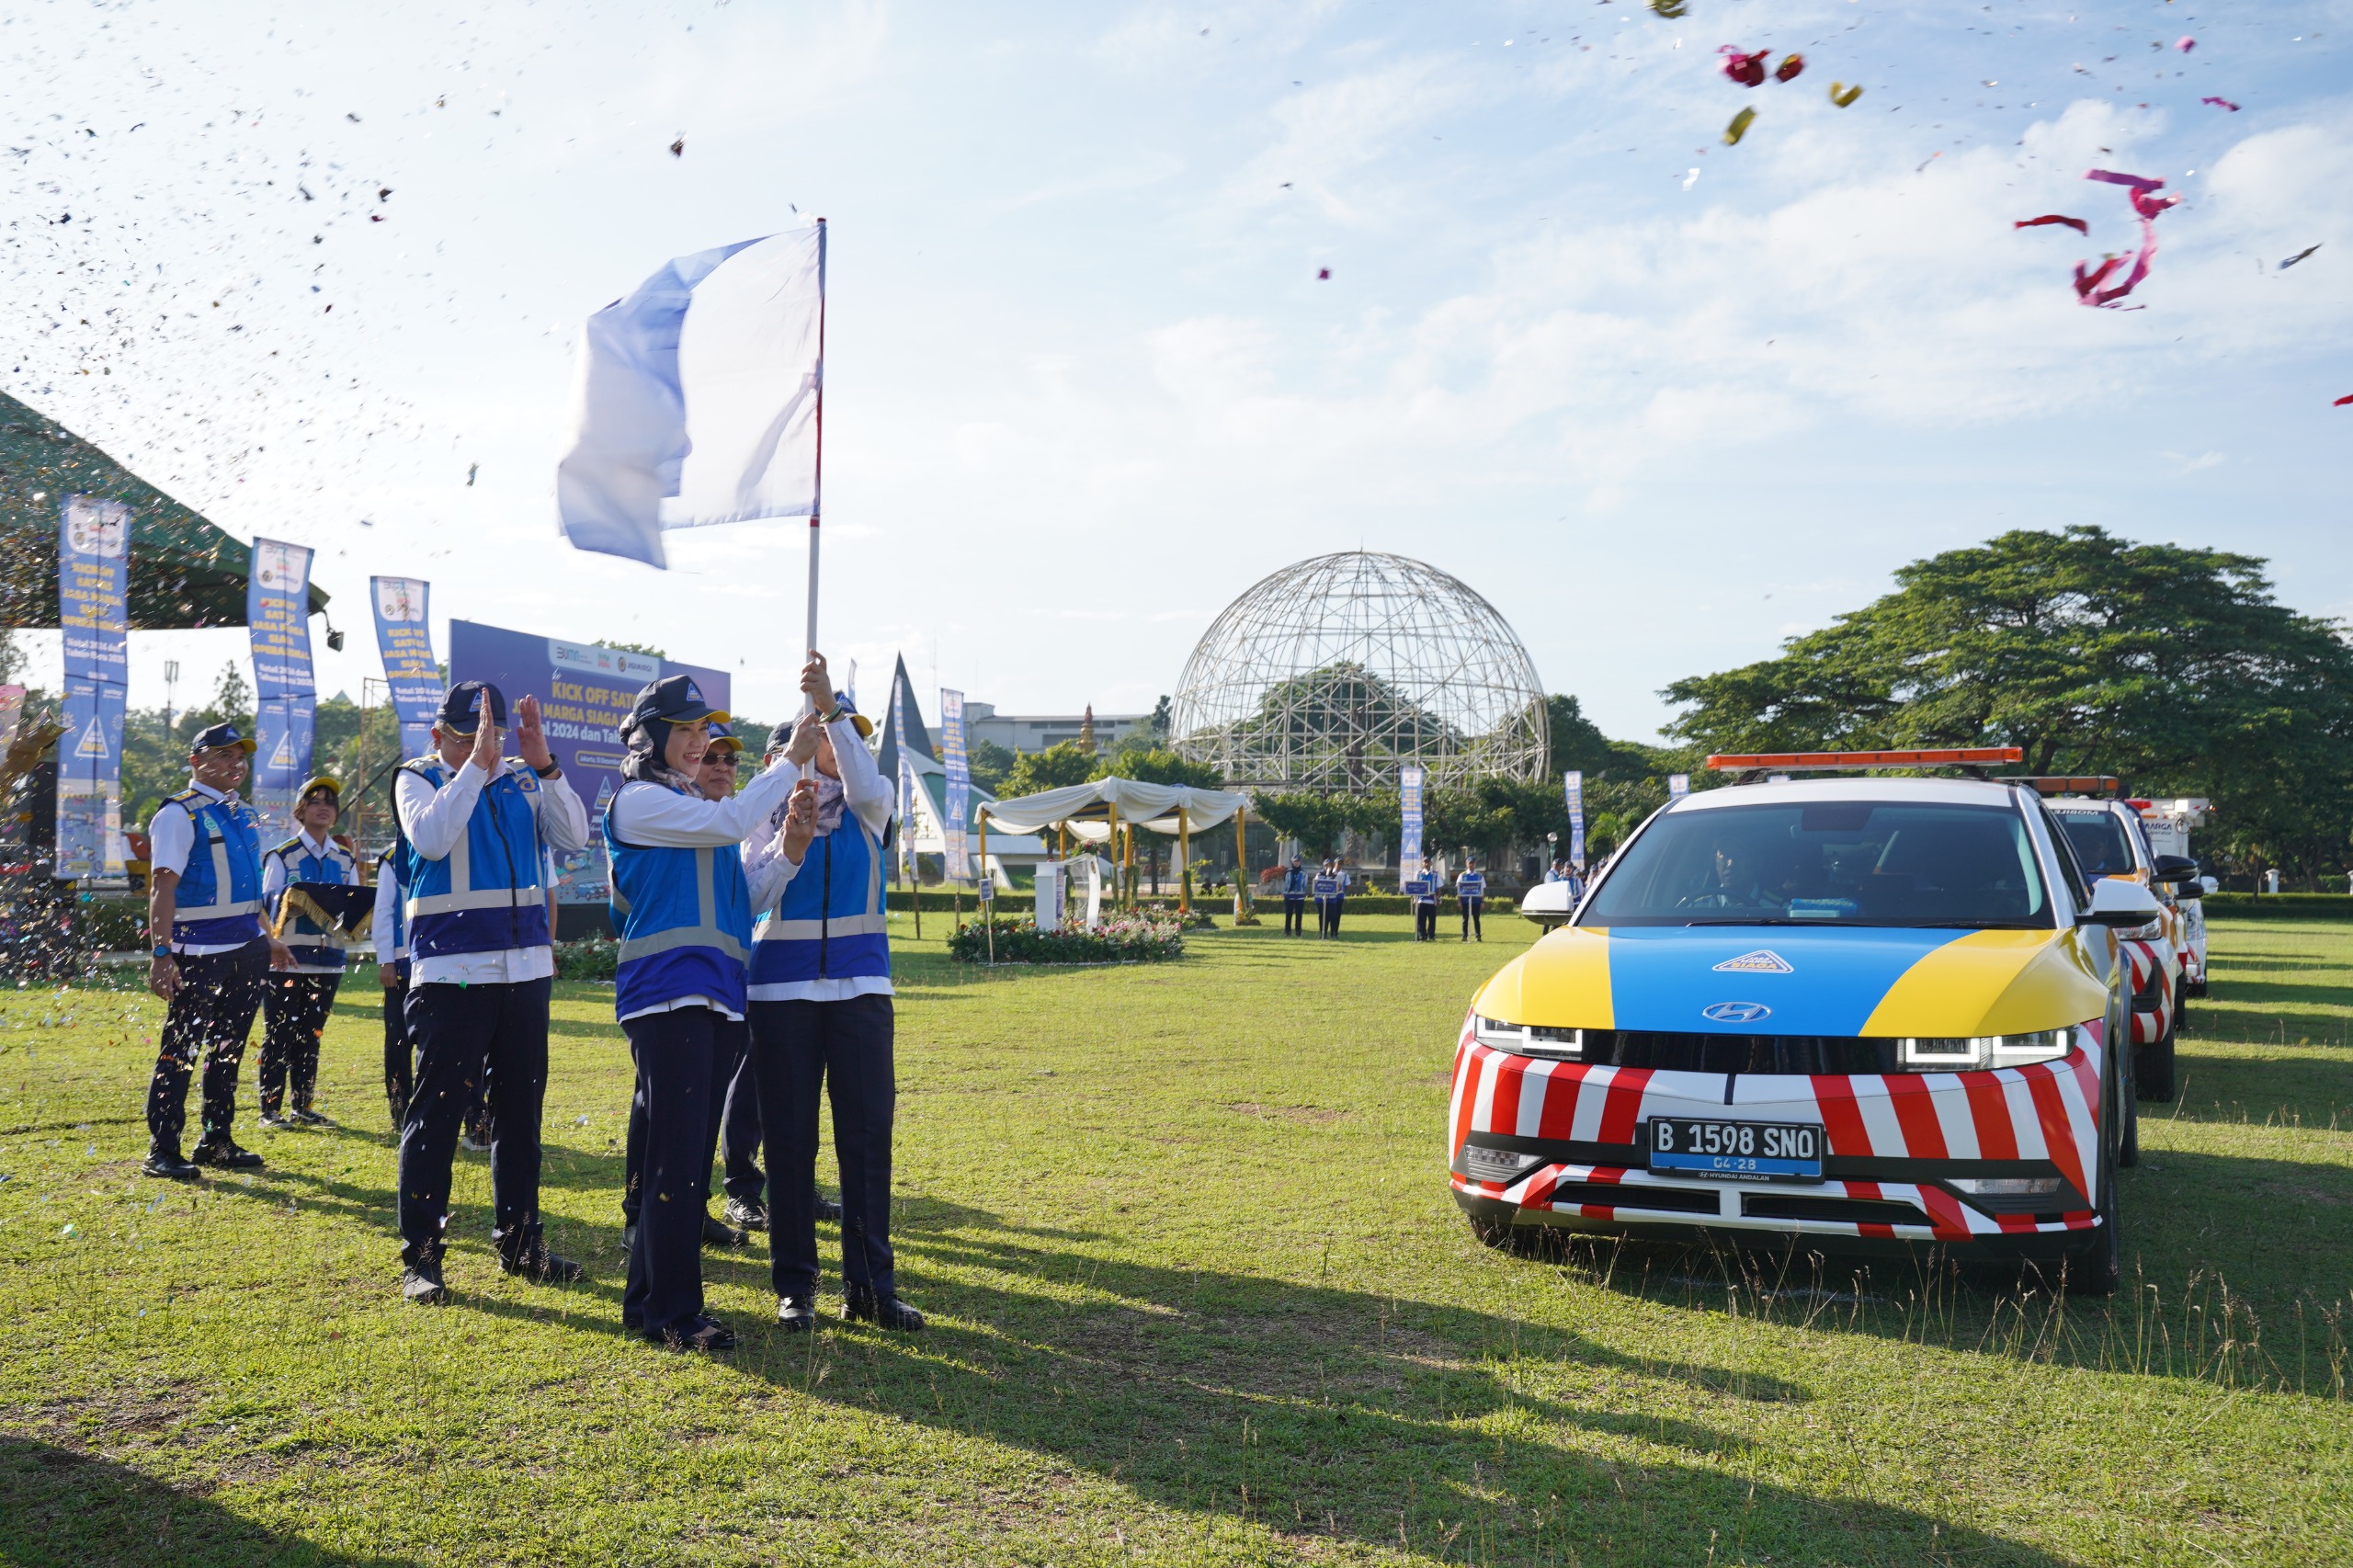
{"x": 1735, "y": 1012}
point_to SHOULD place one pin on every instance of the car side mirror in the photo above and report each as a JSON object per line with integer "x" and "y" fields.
{"x": 2189, "y": 887}
{"x": 2119, "y": 904}
{"x": 2175, "y": 868}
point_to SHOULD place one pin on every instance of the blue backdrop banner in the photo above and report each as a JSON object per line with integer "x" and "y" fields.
{"x": 584, "y": 691}
{"x": 93, "y": 609}
{"x": 277, "y": 606}
{"x": 1409, "y": 837}
{"x": 405, "y": 635}
{"x": 959, "y": 804}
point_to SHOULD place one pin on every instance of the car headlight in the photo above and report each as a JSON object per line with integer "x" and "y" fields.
{"x": 1928, "y": 1053}
{"x": 1530, "y": 1040}
{"x": 2152, "y": 932}
{"x": 2009, "y": 1186}
{"x": 1483, "y": 1163}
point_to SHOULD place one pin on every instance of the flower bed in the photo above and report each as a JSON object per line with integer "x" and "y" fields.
{"x": 1127, "y": 939}
{"x": 589, "y": 958}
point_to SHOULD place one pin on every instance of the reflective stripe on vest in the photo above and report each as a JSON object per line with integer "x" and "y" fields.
{"x": 662, "y": 957}
{"x": 208, "y": 912}
{"x": 447, "y": 913}
{"x": 829, "y": 924}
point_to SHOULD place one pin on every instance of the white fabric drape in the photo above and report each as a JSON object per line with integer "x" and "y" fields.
{"x": 1157, "y": 807}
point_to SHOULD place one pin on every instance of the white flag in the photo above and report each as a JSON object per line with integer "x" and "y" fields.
{"x": 695, "y": 399}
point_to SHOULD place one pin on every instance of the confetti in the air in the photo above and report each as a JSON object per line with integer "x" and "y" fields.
{"x": 1322, "y": 275}
{"x": 1747, "y": 70}
{"x": 2222, "y": 103}
{"x": 1670, "y": 8}
{"x": 1842, "y": 95}
{"x": 1789, "y": 68}
{"x": 1690, "y": 178}
{"x": 2296, "y": 257}
{"x": 2341, "y": 402}
{"x": 1739, "y": 127}
{"x": 2076, "y": 223}
{"x": 678, "y": 148}
{"x": 2185, "y": 44}
{"x": 2147, "y": 204}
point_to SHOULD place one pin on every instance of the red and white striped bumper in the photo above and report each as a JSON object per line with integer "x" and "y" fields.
{"x": 2147, "y": 966}
{"x": 1895, "y": 1134}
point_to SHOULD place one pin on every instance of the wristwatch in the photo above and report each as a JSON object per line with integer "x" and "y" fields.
{"x": 163, "y": 952}
{"x": 551, "y": 770}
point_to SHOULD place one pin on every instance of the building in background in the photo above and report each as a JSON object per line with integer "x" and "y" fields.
{"x": 1036, "y": 731}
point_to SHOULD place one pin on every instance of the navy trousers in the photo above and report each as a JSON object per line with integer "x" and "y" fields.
{"x": 1294, "y": 912}
{"x": 734, "y": 1104}
{"x": 846, "y": 1048}
{"x": 1472, "y": 908}
{"x": 212, "y": 1016}
{"x": 678, "y": 1084}
{"x": 460, "y": 1032}
{"x": 294, "y": 1008}
{"x": 399, "y": 1074}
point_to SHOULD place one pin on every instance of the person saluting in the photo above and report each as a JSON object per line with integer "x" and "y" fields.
{"x": 210, "y": 956}
{"x": 821, "y": 1015}
{"x": 476, "y": 828}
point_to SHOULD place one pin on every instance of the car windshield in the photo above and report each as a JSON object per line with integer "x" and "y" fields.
{"x": 1827, "y": 863}
{"x": 2099, "y": 841}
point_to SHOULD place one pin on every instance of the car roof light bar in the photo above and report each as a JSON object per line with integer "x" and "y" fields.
{"x": 1973, "y": 759}
{"x": 2102, "y": 786}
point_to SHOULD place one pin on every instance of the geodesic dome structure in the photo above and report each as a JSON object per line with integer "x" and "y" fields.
{"x": 1332, "y": 673}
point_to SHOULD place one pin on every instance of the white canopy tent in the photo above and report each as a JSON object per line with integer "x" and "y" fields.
{"x": 1094, "y": 812}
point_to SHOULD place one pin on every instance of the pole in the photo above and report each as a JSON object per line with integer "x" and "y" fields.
{"x": 1111, "y": 844}
{"x": 1240, "y": 893}
{"x": 1183, "y": 861}
{"x": 988, "y": 909}
{"x": 817, "y": 487}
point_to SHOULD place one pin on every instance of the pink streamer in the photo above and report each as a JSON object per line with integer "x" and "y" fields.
{"x": 2224, "y": 103}
{"x": 1746, "y": 69}
{"x": 2147, "y": 204}
{"x": 2076, "y": 223}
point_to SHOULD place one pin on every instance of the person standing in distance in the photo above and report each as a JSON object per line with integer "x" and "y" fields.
{"x": 295, "y": 1005}
{"x": 821, "y": 1015}
{"x": 1295, "y": 897}
{"x": 211, "y": 955}
{"x": 392, "y": 973}
{"x": 1421, "y": 889}
{"x": 477, "y": 828}
{"x": 683, "y": 909}
{"x": 1471, "y": 894}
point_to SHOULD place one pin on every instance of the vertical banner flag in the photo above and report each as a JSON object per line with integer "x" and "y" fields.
{"x": 278, "y": 615}
{"x": 93, "y": 608}
{"x": 404, "y": 636}
{"x": 1678, "y": 785}
{"x": 906, "y": 776}
{"x": 959, "y": 784}
{"x": 1572, "y": 784}
{"x": 1409, "y": 841}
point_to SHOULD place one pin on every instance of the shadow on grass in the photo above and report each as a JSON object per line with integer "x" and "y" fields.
{"x": 1323, "y": 1413}
{"x": 61, "y": 1508}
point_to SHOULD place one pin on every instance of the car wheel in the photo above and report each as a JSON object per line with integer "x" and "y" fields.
{"x": 2152, "y": 1069}
{"x": 2098, "y": 1268}
{"x": 1520, "y": 1241}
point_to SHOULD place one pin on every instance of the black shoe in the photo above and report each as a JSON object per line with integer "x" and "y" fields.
{"x": 827, "y": 1208}
{"x": 164, "y": 1160}
{"x": 715, "y": 1233}
{"x": 862, "y": 1306}
{"x": 421, "y": 1286}
{"x": 223, "y": 1152}
{"x": 746, "y": 1216}
{"x": 272, "y": 1121}
{"x": 537, "y": 1263}
{"x": 796, "y": 1314}
{"x": 472, "y": 1144}
{"x": 696, "y": 1334}
{"x": 310, "y": 1118}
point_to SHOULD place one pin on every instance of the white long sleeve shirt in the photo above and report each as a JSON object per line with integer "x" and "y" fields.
{"x": 434, "y": 820}
{"x": 387, "y": 918}
{"x": 872, "y": 798}
{"x": 657, "y": 817}
{"x": 171, "y": 836}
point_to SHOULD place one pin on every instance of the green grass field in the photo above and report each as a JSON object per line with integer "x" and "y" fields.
{"x": 1199, "y": 1294}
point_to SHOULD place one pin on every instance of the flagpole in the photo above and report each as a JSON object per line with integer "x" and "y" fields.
{"x": 817, "y": 487}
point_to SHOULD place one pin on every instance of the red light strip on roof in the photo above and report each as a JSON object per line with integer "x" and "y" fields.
{"x": 1827, "y": 761}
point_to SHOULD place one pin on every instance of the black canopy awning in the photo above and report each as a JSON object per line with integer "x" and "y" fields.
{"x": 185, "y": 571}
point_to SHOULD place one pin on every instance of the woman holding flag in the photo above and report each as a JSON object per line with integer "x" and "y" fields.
{"x": 683, "y": 909}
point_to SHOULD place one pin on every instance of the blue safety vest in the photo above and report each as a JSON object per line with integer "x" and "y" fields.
{"x": 487, "y": 894}
{"x": 1471, "y": 884}
{"x": 392, "y": 947}
{"x": 685, "y": 919}
{"x": 218, "y": 897}
{"x": 313, "y": 947}
{"x": 829, "y": 924}
{"x": 1418, "y": 889}
{"x": 1328, "y": 887}
{"x": 1295, "y": 882}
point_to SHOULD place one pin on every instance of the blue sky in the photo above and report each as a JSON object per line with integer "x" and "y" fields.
{"x": 1084, "y": 385}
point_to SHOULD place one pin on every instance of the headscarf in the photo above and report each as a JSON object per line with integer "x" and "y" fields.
{"x": 649, "y": 742}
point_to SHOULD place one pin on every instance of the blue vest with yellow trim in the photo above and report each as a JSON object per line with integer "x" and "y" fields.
{"x": 314, "y": 949}
{"x": 219, "y": 896}
{"x": 488, "y": 893}
{"x": 829, "y": 924}
{"x": 684, "y": 921}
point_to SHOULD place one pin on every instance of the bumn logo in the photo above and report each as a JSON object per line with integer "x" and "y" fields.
{"x": 1763, "y": 960}
{"x": 1737, "y": 1012}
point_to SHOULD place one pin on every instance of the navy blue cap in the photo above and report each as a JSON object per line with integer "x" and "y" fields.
{"x": 725, "y": 739}
{"x": 457, "y": 706}
{"x": 220, "y": 735}
{"x": 673, "y": 699}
